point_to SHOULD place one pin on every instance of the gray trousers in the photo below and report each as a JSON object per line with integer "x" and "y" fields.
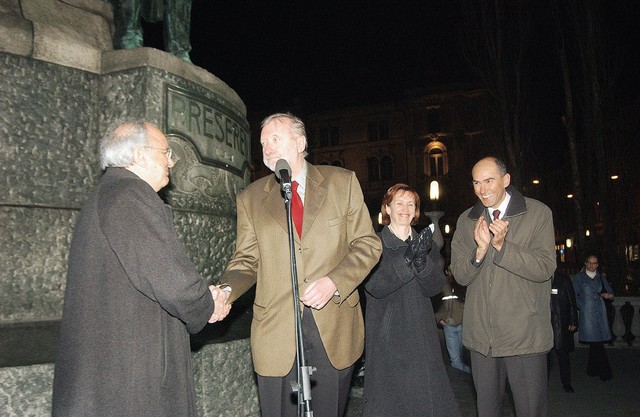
{"x": 527, "y": 375}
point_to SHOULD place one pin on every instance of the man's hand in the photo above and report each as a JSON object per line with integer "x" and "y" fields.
{"x": 222, "y": 308}
{"x": 318, "y": 294}
{"x": 498, "y": 229}
{"x": 482, "y": 237}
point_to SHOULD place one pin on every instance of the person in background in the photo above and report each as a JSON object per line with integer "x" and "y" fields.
{"x": 335, "y": 247}
{"x": 405, "y": 374}
{"x": 132, "y": 296}
{"x": 592, "y": 289}
{"x": 564, "y": 320}
{"x": 503, "y": 250}
{"x": 449, "y": 316}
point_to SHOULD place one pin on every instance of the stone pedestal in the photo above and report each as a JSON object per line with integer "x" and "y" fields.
{"x": 62, "y": 84}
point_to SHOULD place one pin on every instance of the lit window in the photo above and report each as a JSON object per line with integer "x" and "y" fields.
{"x": 436, "y": 161}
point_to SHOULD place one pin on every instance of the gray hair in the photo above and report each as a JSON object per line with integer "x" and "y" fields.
{"x": 297, "y": 125}
{"x": 118, "y": 143}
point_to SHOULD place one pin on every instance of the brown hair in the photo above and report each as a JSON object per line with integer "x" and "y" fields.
{"x": 389, "y": 196}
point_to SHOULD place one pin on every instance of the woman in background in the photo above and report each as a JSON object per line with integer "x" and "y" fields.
{"x": 592, "y": 288}
{"x": 405, "y": 373}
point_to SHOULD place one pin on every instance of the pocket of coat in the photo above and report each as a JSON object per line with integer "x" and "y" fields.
{"x": 258, "y": 312}
{"x": 354, "y": 299}
{"x": 165, "y": 351}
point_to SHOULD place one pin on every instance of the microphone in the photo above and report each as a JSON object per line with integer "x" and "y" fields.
{"x": 283, "y": 173}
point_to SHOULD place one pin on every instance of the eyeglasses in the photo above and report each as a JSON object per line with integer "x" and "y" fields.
{"x": 166, "y": 151}
{"x": 592, "y": 263}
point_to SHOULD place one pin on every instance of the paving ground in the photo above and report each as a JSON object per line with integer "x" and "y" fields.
{"x": 619, "y": 397}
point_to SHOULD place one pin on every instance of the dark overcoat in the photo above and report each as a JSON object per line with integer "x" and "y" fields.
{"x": 132, "y": 298}
{"x": 564, "y": 312}
{"x": 405, "y": 374}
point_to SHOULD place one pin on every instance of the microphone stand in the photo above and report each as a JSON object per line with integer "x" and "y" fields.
{"x": 302, "y": 385}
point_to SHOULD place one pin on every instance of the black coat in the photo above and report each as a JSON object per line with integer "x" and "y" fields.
{"x": 132, "y": 298}
{"x": 564, "y": 312}
{"x": 405, "y": 374}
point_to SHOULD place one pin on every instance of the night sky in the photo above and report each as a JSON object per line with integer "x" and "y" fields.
{"x": 327, "y": 54}
{"x": 309, "y": 55}
{"x": 324, "y": 54}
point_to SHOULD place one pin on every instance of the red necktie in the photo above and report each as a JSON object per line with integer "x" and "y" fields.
{"x": 496, "y": 214}
{"x": 297, "y": 209}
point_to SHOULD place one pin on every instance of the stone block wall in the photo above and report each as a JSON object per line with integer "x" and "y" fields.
{"x": 61, "y": 85}
{"x": 221, "y": 375}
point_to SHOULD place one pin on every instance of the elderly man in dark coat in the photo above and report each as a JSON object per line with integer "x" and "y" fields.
{"x": 132, "y": 295}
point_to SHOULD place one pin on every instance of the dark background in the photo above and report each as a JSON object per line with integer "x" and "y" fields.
{"x": 322, "y": 55}
{"x": 307, "y": 56}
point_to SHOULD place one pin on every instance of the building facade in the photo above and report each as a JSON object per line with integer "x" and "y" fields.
{"x": 415, "y": 140}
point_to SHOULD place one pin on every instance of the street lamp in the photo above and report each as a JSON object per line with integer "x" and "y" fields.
{"x": 435, "y": 216}
{"x": 434, "y": 191}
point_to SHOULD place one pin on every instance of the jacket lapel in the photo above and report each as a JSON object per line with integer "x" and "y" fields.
{"x": 314, "y": 197}
{"x": 274, "y": 203}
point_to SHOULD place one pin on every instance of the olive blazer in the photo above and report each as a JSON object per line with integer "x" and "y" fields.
{"x": 337, "y": 241}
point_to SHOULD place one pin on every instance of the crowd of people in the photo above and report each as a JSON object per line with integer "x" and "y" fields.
{"x": 133, "y": 297}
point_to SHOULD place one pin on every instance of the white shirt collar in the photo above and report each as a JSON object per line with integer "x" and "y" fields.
{"x": 502, "y": 207}
{"x": 301, "y": 179}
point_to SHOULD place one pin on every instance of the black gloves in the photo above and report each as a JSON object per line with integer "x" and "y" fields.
{"x": 418, "y": 249}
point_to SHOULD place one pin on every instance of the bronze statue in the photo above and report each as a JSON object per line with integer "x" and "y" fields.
{"x": 176, "y": 15}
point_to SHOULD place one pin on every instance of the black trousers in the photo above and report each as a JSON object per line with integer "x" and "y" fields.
{"x": 564, "y": 365}
{"x": 329, "y": 386}
{"x": 598, "y": 362}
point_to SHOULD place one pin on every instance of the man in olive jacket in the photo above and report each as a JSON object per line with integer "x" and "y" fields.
{"x": 503, "y": 249}
{"x": 132, "y": 295}
{"x": 335, "y": 249}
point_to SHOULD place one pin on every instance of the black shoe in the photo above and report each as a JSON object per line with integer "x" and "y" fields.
{"x": 606, "y": 378}
{"x": 568, "y": 388}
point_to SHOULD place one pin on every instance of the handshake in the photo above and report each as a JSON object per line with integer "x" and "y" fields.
{"x": 220, "y": 294}
{"x": 419, "y": 248}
